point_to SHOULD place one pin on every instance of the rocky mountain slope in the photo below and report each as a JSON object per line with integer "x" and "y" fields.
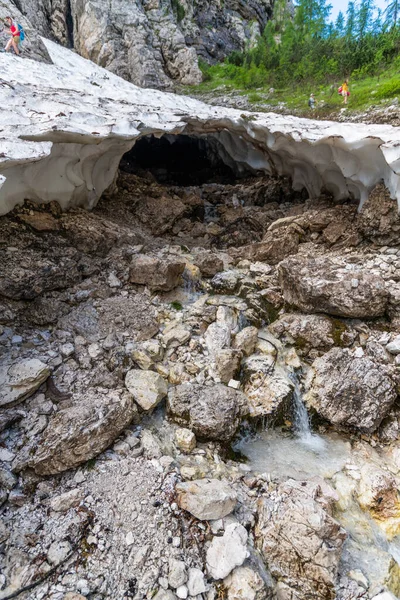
{"x": 151, "y": 43}
{"x": 199, "y": 346}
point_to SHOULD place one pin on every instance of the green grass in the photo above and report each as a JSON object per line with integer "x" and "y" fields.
{"x": 366, "y": 91}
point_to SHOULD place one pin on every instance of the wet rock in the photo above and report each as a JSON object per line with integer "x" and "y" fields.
{"x": 209, "y": 264}
{"x": 351, "y": 391}
{"x": 378, "y": 494}
{"x": 157, "y": 274}
{"x": 211, "y": 412}
{"x": 185, "y": 439}
{"x": 246, "y": 340}
{"x": 80, "y": 432}
{"x": 21, "y": 380}
{"x": 147, "y": 387}
{"x": 306, "y": 561}
{"x": 245, "y": 584}
{"x": 206, "y": 499}
{"x": 227, "y": 552}
{"x": 324, "y": 284}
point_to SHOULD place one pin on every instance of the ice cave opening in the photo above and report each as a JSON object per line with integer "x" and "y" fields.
{"x": 184, "y": 160}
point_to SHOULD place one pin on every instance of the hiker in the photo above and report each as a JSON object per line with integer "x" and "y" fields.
{"x": 15, "y": 38}
{"x": 311, "y": 101}
{"x": 344, "y": 90}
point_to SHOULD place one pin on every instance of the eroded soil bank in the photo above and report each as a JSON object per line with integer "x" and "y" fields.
{"x": 142, "y": 345}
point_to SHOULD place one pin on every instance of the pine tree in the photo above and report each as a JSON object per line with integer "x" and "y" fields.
{"x": 392, "y": 13}
{"x": 351, "y": 15}
{"x": 364, "y": 20}
{"x": 340, "y": 24}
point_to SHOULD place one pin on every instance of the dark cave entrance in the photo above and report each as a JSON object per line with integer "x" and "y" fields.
{"x": 183, "y": 160}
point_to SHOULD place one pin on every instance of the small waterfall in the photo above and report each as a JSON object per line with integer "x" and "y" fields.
{"x": 190, "y": 287}
{"x": 210, "y": 212}
{"x": 301, "y": 419}
{"x": 242, "y": 321}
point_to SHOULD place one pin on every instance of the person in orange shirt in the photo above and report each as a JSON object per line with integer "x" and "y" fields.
{"x": 15, "y": 38}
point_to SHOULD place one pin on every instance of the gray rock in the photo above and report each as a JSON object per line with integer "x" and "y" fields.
{"x": 350, "y": 391}
{"x": 177, "y": 574}
{"x": 21, "y": 380}
{"x": 245, "y": 584}
{"x": 211, "y": 412}
{"x": 394, "y": 346}
{"x": 246, "y": 340}
{"x": 58, "y": 552}
{"x": 323, "y": 284}
{"x": 196, "y": 583}
{"x": 82, "y": 431}
{"x": 208, "y": 263}
{"x": 206, "y": 499}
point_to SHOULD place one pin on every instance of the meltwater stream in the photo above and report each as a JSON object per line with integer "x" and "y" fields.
{"x": 302, "y": 454}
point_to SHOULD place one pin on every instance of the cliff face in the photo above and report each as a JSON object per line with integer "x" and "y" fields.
{"x": 149, "y": 42}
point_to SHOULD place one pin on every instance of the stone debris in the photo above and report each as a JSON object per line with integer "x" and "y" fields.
{"x": 147, "y": 388}
{"x": 227, "y": 552}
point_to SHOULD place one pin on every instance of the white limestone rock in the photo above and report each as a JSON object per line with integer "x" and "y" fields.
{"x": 227, "y": 552}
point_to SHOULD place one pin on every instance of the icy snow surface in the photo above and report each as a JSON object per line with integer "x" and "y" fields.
{"x": 64, "y": 128}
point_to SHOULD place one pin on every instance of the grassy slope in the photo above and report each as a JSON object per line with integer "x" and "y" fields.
{"x": 366, "y": 92}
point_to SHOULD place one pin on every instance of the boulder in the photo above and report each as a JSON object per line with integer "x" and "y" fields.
{"x": 209, "y": 264}
{"x": 147, "y": 387}
{"x": 325, "y": 284}
{"x": 155, "y": 273}
{"x": 308, "y": 332}
{"x": 378, "y": 219}
{"x": 351, "y": 391}
{"x": 268, "y": 395}
{"x": 227, "y": 552}
{"x": 226, "y": 282}
{"x": 211, "y": 412}
{"x": 299, "y": 540}
{"x": 80, "y": 432}
{"x": 206, "y": 499}
{"x": 21, "y": 380}
{"x": 176, "y": 335}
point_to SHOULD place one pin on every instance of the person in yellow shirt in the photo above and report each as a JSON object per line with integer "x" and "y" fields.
{"x": 345, "y": 91}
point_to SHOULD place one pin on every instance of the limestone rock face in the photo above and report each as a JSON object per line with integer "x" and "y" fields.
{"x": 299, "y": 540}
{"x": 208, "y": 263}
{"x": 206, "y": 499}
{"x": 151, "y": 43}
{"x": 156, "y": 274}
{"x": 147, "y": 387}
{"x": 80, "y": 432}
{"x": 227, "y": 552}
{"x": 350, "y": 391}
{"x": 326, "y": 285}
{"x": 211, "y": 412}
{"x": 21, "y": 380}
{"x": 275, "y": 246}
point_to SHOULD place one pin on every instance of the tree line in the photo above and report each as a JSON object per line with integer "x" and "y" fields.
{"x": 302, "y": 44}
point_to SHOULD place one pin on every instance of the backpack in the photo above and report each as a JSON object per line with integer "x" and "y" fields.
{"x": 21, "y": 32}
{"x": 340, "y": 90}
